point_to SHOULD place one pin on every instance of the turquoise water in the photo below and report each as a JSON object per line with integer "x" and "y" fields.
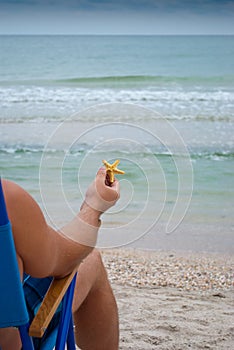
{"x": 139, "y": 80}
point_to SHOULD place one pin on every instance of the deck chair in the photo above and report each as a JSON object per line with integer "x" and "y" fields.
{"x": 13, "y": 310}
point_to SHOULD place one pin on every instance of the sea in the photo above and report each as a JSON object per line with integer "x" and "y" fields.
{"x": 162, "y": 105}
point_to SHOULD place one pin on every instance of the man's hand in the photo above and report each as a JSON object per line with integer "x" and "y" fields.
{"x": 99, "y": 196}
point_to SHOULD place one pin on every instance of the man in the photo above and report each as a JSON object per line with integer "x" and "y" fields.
{"x": 43, "y": 251}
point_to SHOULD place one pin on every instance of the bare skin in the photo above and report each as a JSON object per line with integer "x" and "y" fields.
{"x": 94, "y": 307}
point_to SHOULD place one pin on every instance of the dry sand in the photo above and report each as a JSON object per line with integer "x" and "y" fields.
{"x": 173, "y": 300}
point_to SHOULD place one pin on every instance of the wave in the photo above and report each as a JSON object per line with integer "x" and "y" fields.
{"x": 22, "y": 149}
{"x": 32, "y": 103}
{"x": 82, "y": 149}
{"x": 218, "y": 155}
{"x": 114, "y": 78}
{"x": 147, "y": 79}
{"x": 61, "y": 117}
{"x": 58, "y": 96}
{"x": 125, "y": 79}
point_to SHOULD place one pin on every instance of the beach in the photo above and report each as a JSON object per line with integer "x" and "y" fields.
{"x": 172, "y": 300}
{"x": 163, "y": 106}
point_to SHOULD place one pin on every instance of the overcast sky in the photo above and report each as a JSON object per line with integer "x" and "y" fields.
{"x": 117, "y": 17}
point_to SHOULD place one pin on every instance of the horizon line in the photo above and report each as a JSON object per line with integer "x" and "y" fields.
{"x": 117, "y": 34}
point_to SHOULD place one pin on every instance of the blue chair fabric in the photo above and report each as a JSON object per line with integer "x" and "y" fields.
{"x": 13, "y": 308}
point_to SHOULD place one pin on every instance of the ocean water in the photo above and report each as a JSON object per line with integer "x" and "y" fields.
{"x": 163, "y": 105}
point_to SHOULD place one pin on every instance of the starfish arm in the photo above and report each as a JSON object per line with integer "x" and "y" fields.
{"x": 114, "y": 165}
{"x": 107, "y": 165}
{"x": 118, "y": 171}
{"x": 111, "y": 176}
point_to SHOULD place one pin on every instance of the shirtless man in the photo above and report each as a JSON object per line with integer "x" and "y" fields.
{"x": 94, "y": 308}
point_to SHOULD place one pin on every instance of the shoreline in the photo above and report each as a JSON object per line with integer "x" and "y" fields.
{"x": 182, "y": 270}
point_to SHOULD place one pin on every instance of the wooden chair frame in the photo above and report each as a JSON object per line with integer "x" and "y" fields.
{"x": 49, "y": 305}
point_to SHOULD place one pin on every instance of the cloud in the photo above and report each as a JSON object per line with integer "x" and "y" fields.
{"x": 201, "y": 7}
{"x": 117, "y": 16}
{"x": 169, "y": 6}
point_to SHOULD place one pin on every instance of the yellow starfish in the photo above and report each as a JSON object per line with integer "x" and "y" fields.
{"x": 112, "y": 169}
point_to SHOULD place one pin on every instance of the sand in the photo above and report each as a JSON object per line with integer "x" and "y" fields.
{"x": 171, "y": 300}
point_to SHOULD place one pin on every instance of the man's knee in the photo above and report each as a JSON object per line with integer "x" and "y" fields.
{"x": 96, "y": 256}
{"x": 97, "y": 261}
{"x": 92, "y": 266}
{"x": 98, "y": 268}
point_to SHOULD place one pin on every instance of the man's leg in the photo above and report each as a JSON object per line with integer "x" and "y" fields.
{"x": 94, "y": 307}
{"x": 9, "y": 339}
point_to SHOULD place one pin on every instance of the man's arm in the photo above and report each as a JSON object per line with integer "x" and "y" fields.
{"x": 41, "y": 250}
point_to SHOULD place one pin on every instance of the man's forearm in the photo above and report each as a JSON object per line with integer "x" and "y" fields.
{"x": 83, "y": 229}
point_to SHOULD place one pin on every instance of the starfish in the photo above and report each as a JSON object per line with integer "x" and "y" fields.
{"x": 112, "y": 169}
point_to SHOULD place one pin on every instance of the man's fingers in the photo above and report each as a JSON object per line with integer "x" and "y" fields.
{"x": 101, "y": 172}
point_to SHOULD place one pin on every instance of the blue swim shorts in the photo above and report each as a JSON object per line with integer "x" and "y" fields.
{"x": 34, "y": 291}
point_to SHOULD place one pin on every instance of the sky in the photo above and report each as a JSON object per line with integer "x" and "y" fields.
{"x": 117, "y": 17}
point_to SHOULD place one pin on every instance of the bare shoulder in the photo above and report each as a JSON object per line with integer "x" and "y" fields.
{"x": 10, "y": 188}
{"x": 13, "y": 191}
{"x": 29, "y": 228}
{"x": 20, "y": 204}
